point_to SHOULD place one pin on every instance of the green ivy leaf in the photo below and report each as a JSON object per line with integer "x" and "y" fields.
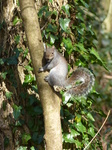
{"x": 81, "y": 48}
{"x": 68, "y": 114}
{"x": 38, "y": 110}
{"x": 64, "y": 24}
{"x": 8, "y": 95}
{"x": 91, "y": 30}
{"x": 67, "y": 43}
{"x": 80, "y": 63}
{"x": 50, "y": 1}
{"x": 17, "y": 51}
{"x": 48, "y": 13}
{"x": 17, "y": 2}
{"x": 42, "y": 10}
{"x": 25, "y": 138}
{"x": 12, "y": 60}
{"x": 31, "y": 99}
{"x": 32, "y": 148}
{"x": 80, "y": 29}
{"x": 22, "y": 148}
{"x": 46, "y": 34}
{"x": 19, "y": 123}
{"x": 84, "y": 3}
{"x": 80, "y": 127}
{"x": 34, "y": 88}
{"x": 78, "y": 144}
{"x": 28, "y": 78}
{"x": 74, "y": 133}
{"x": 35, "y": 136}
{"x": 90, "y": 116}
{"x": 52, "y": 39}
{"x": 101, "y": 112}
{"x": 78, "y": 118}
{"x": 25, "y": 52}
{"x": 2, "y": 61}
{"x": 16, "y": 20}
{"x": 6, "y": 142}
{"x": 91, "y": 131}
{"x": 28, "y": 68}
{"x": 17, "y": 39}
{"x": 17, "y": 111}
{"x": 85, "y": 137}
{"x": 69, "y": 104}
{"x": 68, "y": 138}
{"x": 3, "y": 75}
{"x": 80, "y": 16}
{"x": 95, "y": 53}
{"x": 66, "y": 9}
{"x": 39, "y": 139}
{"x": 65, "y": 99}
{"x": 84, "y": 53}
{"x": 51, "y": 28}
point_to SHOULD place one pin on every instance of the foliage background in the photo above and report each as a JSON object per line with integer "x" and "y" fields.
{"x": 77, "y": 33}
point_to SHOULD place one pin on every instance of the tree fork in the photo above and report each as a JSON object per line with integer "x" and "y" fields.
{"x": 50, "y": 101}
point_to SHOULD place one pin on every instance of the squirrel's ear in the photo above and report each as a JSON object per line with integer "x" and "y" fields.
{"x": 45, "y": 47}
{"x": 53, "y": 46}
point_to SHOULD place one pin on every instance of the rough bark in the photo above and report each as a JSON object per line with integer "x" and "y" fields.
{"x": 50, "y": 101}
{"x": 6, "y": 116}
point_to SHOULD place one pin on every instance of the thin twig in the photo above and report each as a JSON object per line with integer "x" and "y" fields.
{"x": 107, "y": 76}
{"x": 44, "y": 26}
{"x": 98, "y": 130}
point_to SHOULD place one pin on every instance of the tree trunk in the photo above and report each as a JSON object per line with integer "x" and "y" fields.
{"x": 108, "y": 20}
{"x": 50, "y": 101}
{"x": 6, "y": 15}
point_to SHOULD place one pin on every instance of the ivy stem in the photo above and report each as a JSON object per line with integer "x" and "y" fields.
{"x": 98, "y": 130}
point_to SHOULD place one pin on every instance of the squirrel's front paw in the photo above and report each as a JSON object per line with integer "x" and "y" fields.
{"x": 46, "y": 78}
{"x": 59, "y": 88}
{"x": 40, "y": 70}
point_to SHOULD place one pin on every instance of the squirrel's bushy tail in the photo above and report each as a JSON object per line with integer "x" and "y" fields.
{"x": 80, "y": 83}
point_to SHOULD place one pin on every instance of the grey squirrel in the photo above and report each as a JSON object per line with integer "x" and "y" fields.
{"x": 80, "y": 82}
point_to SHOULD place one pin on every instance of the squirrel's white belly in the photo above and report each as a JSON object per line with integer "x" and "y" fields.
{"x": 57, "y": 76}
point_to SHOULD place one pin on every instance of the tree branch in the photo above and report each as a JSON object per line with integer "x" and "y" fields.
{"x": 50, "y": 101}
